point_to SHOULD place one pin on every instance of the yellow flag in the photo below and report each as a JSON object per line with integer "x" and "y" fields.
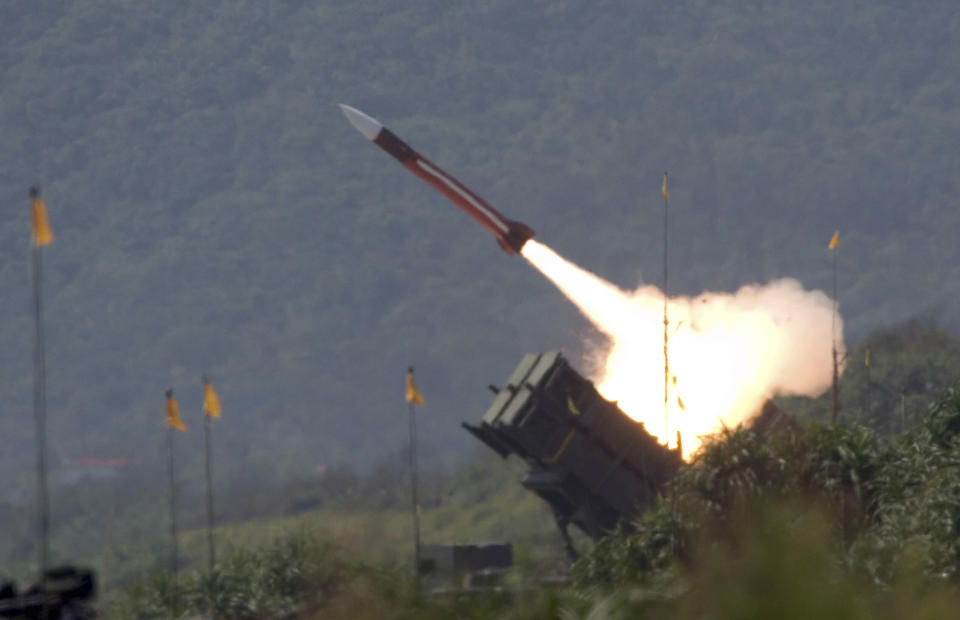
{"x": 42, "y": 233}
{"x": 666, "y": 194}
{"x": 211, "y": 402}
{"x": 173, "y": 413}
{"x": 413, "y": 394}
{"x": 834, "y": 240}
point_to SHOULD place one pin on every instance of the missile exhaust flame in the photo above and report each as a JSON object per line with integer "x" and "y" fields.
{"x": 728, "y": 351}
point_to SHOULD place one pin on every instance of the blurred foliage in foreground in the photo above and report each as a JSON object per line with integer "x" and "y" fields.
{"x": 830, "y": 521}
{"x": 892, "y": 506}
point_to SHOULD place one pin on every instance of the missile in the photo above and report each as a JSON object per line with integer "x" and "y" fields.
{"x": 510, "y": 235}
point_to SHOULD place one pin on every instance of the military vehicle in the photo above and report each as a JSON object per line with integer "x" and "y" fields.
{"x": 592, "y": 464}
{"x": 67, "y": 592}
{"x": 465, "y": 566}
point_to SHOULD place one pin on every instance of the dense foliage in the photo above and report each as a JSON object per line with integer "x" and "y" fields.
{"x": 893, "y": 505}
{"x": 215, "y": 213}
{"x": 283, "y": 579}
{"x": 832, "y": 521}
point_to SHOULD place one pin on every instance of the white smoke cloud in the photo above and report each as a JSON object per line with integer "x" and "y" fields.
{"x": 728, "y": 352}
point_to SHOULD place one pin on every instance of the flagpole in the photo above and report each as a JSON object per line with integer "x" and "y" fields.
{"x": 211, "y": 409}
{"x": 174, "y": 423}
{"x": 666, "y": 321}
{"x": 413, "y": 398}
{"x": 210, "y": 520}
{"x": 174, "y": 557}
{"x": 412, "y": 415}
{"x": 833, "y": 339}
{"x": 40, "y": 418}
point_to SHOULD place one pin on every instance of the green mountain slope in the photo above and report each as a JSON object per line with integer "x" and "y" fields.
{"x": 215, "y": 213}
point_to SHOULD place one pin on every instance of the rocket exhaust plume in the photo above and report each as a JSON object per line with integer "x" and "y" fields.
{"x": 729, "y": 352}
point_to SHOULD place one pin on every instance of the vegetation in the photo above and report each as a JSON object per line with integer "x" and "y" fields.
{"x": 891, "y": 378}
{"x": 891, "y": 506}
{"x": 367, "y": 515}
{"x": 215, "y": 213}
{"x": 891, "y": 490}
{"x": 285, "y": 578}
{"x": 832, "y": 521}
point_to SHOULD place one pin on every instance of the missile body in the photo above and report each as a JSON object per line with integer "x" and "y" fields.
{"x": 510, "y": 235}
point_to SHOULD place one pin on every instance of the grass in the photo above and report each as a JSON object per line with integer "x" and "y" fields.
{"x": 480, "y": 502}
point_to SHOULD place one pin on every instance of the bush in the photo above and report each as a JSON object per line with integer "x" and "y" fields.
{"x": 291, "y": 575}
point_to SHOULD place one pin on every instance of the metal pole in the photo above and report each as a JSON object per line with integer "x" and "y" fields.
{"x": 833, "y": 339}
{"x": 207, "y": 430}
{"x": 174, "y": 557}
{"x": 413, "y": 489}
{"x": 666, "y": 321}
{"x": 210, "y": 520}
{"x": 40, "y": 421}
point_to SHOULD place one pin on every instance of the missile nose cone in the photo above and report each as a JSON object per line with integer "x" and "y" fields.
{"x": 367, "y": 125}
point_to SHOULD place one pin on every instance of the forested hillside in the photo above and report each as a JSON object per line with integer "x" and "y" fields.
{"x": 215, "y": 213}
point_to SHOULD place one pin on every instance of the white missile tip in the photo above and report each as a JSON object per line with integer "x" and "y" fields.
{"x": 367, "y": 125}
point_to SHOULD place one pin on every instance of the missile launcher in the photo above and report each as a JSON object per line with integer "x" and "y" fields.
{"x": 591, "y": 463}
